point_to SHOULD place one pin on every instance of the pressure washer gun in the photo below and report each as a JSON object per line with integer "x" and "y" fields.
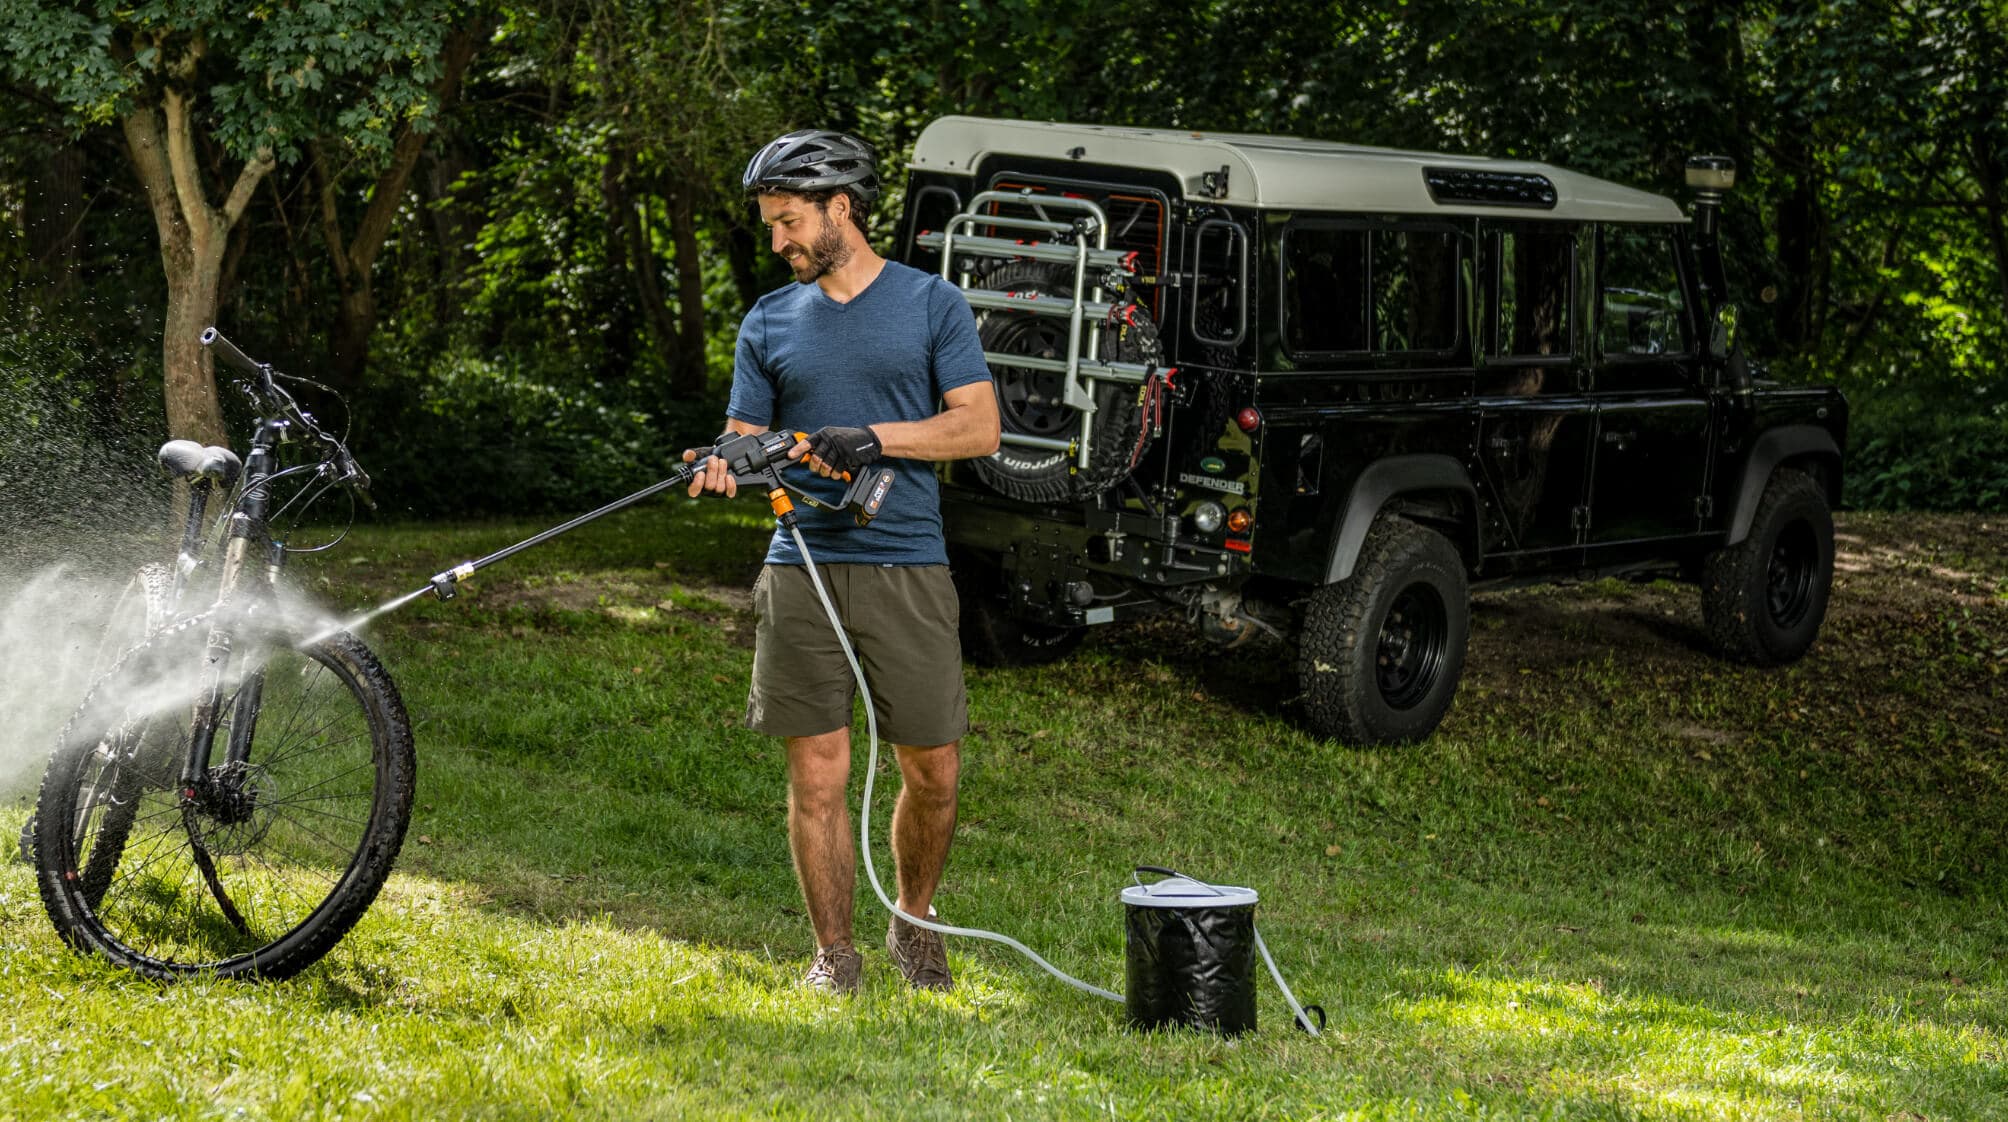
{"x": 756, "y": 460}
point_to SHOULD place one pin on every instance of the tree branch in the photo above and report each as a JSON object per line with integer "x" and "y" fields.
{"x": 149, "y": 159}
{"x": 182, "y": 166}
{"x": 260, "y": 166}
{"x": 331, "y": 226}
{"x": 388, "y": 193}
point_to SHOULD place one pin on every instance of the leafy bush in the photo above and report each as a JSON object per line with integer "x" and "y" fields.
{"x": 1928, "y": 449}
{"x": 475, "y": 434}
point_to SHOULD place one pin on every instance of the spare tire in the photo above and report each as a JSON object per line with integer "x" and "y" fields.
{"x": 1029, "y": 402}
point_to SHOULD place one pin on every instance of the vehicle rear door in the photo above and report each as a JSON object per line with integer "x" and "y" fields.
{"x": 1536, "y": 421}
{"x": 1649, "y": 475}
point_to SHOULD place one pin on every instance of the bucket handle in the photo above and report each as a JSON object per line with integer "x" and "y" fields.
{"x": 1170, "y": 873}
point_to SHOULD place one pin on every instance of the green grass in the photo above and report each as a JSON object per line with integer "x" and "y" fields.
{"x": 1624, "y": 881}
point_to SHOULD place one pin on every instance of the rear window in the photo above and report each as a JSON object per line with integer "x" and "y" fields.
{"x": 1370, "y": 289}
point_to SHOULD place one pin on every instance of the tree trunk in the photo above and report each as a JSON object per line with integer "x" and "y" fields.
{"x": 623, "y": 256}
{"x": 687, "y": 377}
{"x": 193, "y": 238}
{"x": 355, "y": 259}
{"x": 1993, "y": 218}
{"x": 452, "y": 220}
{"x": 1797, "y": 228}
{"x": 648, "y": 285}
{"x": 741, "y": 252}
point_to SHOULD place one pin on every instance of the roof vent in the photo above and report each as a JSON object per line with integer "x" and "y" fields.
{"x": 1489, "y": 188}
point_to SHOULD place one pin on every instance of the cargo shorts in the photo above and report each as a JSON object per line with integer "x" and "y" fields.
{"x": 902, "y": 621}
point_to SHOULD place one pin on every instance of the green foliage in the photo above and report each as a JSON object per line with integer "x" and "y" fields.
{"x": 1867, "y": 239}
{"x": 1943, "y": 448}
{"x": 276, "y": 76}
{"x": 515, "y": 432}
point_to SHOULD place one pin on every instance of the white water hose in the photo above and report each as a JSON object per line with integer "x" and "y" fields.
{"x": 865, "y": 832}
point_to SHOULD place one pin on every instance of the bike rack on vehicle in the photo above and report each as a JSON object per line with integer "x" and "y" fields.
{"x": 1082, "y": 366}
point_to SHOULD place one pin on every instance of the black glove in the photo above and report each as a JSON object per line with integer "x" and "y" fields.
{"x": 845, "y": 450}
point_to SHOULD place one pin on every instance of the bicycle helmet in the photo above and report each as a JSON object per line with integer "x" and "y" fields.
{"x": 815, "y": 160}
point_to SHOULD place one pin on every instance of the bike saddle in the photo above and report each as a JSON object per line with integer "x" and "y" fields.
{"x": 221, "y": 466}
{"x": 185, "y": 459}
{"x": 181, "y": 458}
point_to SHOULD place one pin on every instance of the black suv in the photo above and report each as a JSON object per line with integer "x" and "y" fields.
{"x": 1316, "y": 392}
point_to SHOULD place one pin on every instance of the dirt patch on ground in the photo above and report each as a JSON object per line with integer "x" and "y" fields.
{"x": 1919, "y": 611}
{"x": 1916, "y": 632}
{"x": 618, "y": 594}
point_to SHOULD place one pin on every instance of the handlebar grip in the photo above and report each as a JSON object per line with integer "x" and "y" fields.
{"x": 228, "y": 352}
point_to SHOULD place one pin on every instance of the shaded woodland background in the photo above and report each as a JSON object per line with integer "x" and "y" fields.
{"x": 512, "y": 238}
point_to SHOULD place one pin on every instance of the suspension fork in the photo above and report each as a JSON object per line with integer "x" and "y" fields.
{"x": 251, "y": 693}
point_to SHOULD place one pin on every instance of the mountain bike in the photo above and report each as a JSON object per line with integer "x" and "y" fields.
{"x": 230, "y": 796}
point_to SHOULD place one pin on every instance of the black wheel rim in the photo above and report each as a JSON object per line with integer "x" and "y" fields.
{"x": 1788, "y": 576}
{"x": 1409, "y": 654}
{"x": 1030, "y": 400}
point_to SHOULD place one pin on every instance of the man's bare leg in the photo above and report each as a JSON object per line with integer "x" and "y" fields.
{"x": 923, "y": 821}
{"x": 819, "y": 830}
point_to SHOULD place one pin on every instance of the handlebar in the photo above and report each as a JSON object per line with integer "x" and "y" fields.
{"x": 274, "y": 396}
{"x": 228, "y": 352}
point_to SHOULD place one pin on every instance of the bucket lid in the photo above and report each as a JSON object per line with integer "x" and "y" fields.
{"x": 1184, "y": 892}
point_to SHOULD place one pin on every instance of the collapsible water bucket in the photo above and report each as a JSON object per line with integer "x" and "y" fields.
{"x": 1191, "y": 954}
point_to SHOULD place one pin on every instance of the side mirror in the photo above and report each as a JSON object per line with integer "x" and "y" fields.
{"x": 1722, "y": 337}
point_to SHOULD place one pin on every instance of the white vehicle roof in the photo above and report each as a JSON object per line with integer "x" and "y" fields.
{"x": 1280, "y": 172}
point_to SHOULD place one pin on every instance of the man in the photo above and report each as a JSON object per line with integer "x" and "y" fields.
{"x": 873, "y": 359}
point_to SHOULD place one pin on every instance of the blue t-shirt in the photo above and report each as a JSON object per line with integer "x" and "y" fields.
{"x": 805, "y": 361}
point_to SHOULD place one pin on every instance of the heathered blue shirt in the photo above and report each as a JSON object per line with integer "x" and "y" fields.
{"x": 805, "y": 361}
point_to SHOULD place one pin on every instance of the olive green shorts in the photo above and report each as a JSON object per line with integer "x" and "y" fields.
{"x": 902, "y": 620}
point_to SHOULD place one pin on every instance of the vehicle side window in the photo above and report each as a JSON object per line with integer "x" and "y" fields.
{"x": 1643, "y": 311}
{"x": 928, "y": 212}
{"x": 1531, "y": 313}
{"x": 1369, "y": 288}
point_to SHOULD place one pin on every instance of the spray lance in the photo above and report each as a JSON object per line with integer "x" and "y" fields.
{"x": 756, "y": 460}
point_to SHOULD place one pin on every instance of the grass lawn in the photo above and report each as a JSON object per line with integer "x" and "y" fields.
{"x": 1625, "y": 880}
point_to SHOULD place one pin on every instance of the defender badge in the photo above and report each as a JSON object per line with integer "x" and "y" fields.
{"x": 1231, "y": 486}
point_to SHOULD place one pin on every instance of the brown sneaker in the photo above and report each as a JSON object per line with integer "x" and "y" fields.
{"x": 919, "y": 954}
{"x": 838, "y": 969}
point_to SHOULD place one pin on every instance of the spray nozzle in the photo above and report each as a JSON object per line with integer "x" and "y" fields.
{"x": 442, "y": 583}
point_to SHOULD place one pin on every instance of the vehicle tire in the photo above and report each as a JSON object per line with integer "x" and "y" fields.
{"x": 275, "y": 859}
{"x": 1029, "y": 401}
{"x": 991, "y": 635}
{"x": 1763, "y": 599}
{"x": 141, "y": 609}
{"x": 1380, "y": 653}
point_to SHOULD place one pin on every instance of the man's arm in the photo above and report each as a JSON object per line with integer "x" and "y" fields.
{"x": 965, "y": 428}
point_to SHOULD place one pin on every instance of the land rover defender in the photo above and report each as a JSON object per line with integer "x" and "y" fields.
{"x": 1317, "y": 392}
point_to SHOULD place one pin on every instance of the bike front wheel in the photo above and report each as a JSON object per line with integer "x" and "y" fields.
{"x": 259, "y": 866}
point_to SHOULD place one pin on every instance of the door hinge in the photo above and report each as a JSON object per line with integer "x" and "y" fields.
{"x": 1579, "y": 518}
{"x": 1704, "y": 506}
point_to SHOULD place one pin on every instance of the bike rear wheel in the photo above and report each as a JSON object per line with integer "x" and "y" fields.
{"x": 272, "y": 855}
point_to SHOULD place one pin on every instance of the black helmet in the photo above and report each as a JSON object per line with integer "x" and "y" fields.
{"x": 815, "y": 160}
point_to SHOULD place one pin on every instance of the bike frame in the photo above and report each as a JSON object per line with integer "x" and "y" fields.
{"x": 247, "y": 532}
